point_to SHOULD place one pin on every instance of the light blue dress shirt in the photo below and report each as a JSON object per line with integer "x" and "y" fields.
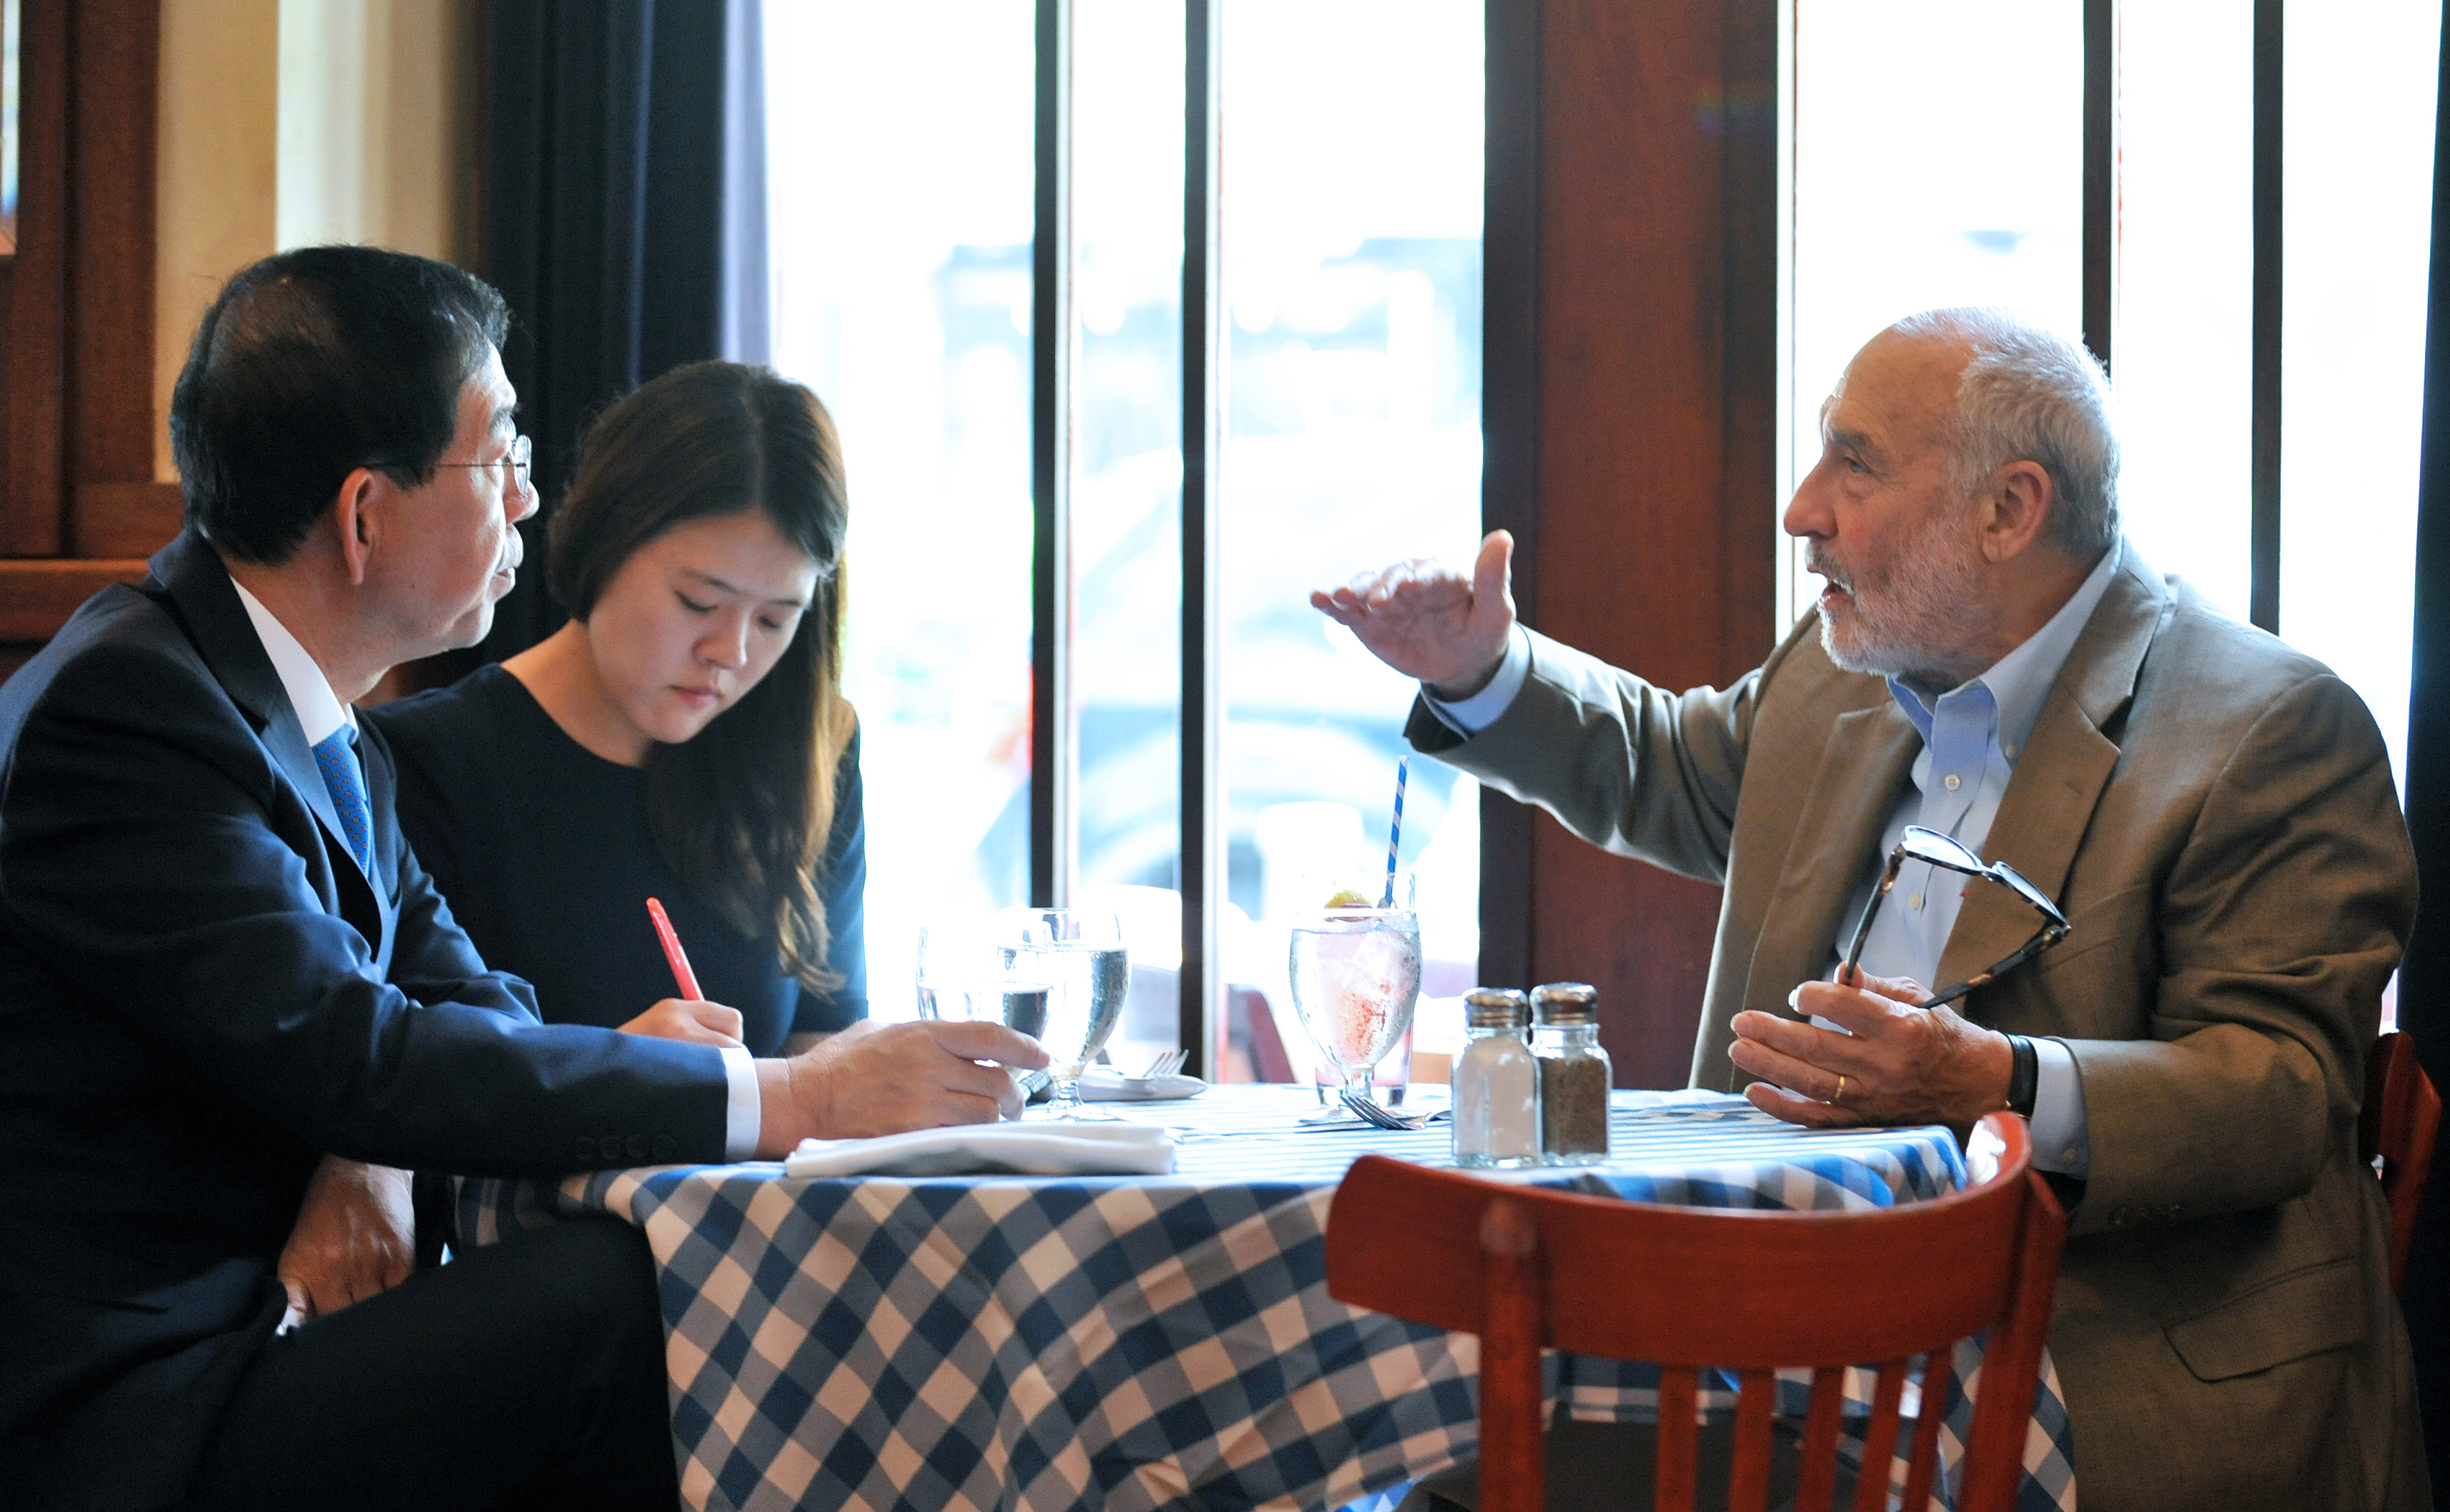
{"x": 1970, "y": 735}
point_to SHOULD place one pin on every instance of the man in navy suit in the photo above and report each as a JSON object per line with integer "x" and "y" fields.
{"x": 234, "y": 1011}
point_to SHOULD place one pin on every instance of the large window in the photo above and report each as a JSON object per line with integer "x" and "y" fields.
{"x": 2360, "y": 89}
{"x": 1124, "y": 512}
{"x": 2182, "y": 347}
{"x": 2356, "y": 170}
{"x": 1347, "y": 275}
{"x": 1351, "y": 242}
{"x": 1336, "y": 271}
{"x": 900, "y": 206}
{"x": 1913, "y": 188}
{"x": 1919, "y": 178}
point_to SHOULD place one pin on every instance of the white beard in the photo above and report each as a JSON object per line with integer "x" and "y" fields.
{"x": 1912, "y": 615}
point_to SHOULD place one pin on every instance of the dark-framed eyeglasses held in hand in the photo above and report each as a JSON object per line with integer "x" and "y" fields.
{"x": 1933, "y": 848}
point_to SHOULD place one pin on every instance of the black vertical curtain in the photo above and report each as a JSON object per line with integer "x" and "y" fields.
{"x": 625, "y": 220}
{"x": 2424, "y": 979}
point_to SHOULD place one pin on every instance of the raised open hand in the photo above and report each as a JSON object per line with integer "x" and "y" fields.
{"x": 1427, "y": 619}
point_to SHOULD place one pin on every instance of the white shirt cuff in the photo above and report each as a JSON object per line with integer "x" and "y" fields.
{"x": 745, "y": 1110}
{"x": 2060, "y": 1141}
{"x": 1471, "y": 715}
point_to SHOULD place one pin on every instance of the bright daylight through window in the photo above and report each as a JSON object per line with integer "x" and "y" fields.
{"x": 901, "y": 212}
{"x": 1352, "y": 260}
{"x": 1912, "y": 191}
{"x": 1350, "y": 216}
{"x": 1898, "y": 93}
{"x": 2360, "y": 87}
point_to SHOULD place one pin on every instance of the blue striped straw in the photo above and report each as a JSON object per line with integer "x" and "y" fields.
{"x": 1395, "y": 831}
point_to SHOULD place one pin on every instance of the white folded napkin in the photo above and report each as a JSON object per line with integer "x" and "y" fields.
{"x": 1031, "y": 1148}
{"x": 1105, "y": 1084}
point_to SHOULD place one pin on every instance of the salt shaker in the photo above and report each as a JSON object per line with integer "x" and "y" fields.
{"x": 1496, "y": 1083}
{"x": 1574, "y": 1073}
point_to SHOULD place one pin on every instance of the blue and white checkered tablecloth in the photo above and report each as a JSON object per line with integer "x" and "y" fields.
{"x": 1028, "y": 1345}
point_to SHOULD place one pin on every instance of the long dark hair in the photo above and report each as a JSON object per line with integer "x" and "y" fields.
{"x": 741, "y": 812}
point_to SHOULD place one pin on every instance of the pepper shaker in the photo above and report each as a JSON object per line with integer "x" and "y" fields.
{"x": 1496, "y": 1083}
{"x": 1574, "y": 1073}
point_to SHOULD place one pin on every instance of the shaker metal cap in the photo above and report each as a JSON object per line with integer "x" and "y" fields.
{"x": 1495, "y": 1008}
{"x": 1565, "y": 1002}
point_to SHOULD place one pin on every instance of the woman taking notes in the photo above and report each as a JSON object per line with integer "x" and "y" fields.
{"x": 684, "y": 737}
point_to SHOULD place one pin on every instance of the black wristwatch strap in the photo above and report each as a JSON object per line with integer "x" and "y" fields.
{"x": 2022, "y": 1075}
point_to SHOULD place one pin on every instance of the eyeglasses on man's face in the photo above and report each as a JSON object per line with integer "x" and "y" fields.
{"x": 1935, "y": 849}
{"x": 514, "y": 465}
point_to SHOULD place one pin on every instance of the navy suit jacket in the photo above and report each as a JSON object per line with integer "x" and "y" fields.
{"x": 201, "y": 994}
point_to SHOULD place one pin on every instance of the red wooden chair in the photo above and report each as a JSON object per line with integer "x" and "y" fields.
{"x": 1694, "y": 1288}
{"x": 2401, "y": 1114}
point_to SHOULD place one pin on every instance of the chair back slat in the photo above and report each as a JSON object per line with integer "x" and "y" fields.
{"x": 1817, "y": 1491}
{"x": 1963, "y": 1245}
{"x": 1685, "y": 1288}
{"x": 1880, "y": 1437}
{"x": 1923, "y": 1464}
{"x": 2400, "y": 1116}
{"x": 1379, "y": 1233}
{"x": 2011, "y": 1358}
{"x": 1756, "y": 1405}
{"x": 1513, "y": 1461}
{"x": 1679, "y": 1444}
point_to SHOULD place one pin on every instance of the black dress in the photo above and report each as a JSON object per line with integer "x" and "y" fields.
{"x": 541, "y": 849}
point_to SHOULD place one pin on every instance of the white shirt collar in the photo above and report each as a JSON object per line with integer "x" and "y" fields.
{"x": 319, "y": 711}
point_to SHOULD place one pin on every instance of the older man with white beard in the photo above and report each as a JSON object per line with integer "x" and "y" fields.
{"x": 2213, "y": 813}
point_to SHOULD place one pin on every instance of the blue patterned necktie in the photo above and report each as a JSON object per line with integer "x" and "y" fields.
{"x": 336, "y": 757}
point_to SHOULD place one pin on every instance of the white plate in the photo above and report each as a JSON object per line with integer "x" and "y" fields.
{"x": 1101, "y": 1084}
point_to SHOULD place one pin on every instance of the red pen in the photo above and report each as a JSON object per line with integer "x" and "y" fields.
{"x": 673, "y": 951}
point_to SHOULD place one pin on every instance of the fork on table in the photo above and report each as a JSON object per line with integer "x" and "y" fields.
{"x": 1371, "y": 1111}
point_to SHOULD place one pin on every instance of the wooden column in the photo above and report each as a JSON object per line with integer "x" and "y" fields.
{"x": 116, "y": 509}
{"x": 1651, "y": 450}
{"x": 78, "y": 504}
{"x": 34, "y": 293}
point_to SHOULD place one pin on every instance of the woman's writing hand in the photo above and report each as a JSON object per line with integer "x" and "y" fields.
{"x": 687, "y": 1019}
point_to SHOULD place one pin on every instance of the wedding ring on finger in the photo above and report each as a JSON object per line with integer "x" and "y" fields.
{"x": 1841, "y": 1093}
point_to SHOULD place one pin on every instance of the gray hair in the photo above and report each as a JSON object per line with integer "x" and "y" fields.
{"x": 2030, "y": 395}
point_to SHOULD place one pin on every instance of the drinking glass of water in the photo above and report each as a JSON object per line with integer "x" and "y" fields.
{"x": 1078, "y": 953}
{"x": 1355, "y": 964}
{"x": 964, "y": 974}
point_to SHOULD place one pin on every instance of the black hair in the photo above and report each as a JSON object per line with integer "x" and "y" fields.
{"x": 313, "y": 363}
{"x": 740, "y": 811}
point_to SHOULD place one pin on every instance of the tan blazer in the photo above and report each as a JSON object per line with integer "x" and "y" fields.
{"x": 2216, "y": 815}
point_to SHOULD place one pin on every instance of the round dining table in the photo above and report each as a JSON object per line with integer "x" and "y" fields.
{"x": 1050, "y": 1344}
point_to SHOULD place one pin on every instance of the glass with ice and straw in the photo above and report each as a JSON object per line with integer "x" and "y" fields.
{"x": 1355, "y": 965}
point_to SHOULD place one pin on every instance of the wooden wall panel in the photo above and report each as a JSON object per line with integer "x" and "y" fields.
{"x": 1655, "y": 507}
{"x": 33, "y": 297}
{"x": 110, "y": 282}
{"x": 125, "y": 519}
{"x": 36, "y": 596}
{"x": 79, "y": 509}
